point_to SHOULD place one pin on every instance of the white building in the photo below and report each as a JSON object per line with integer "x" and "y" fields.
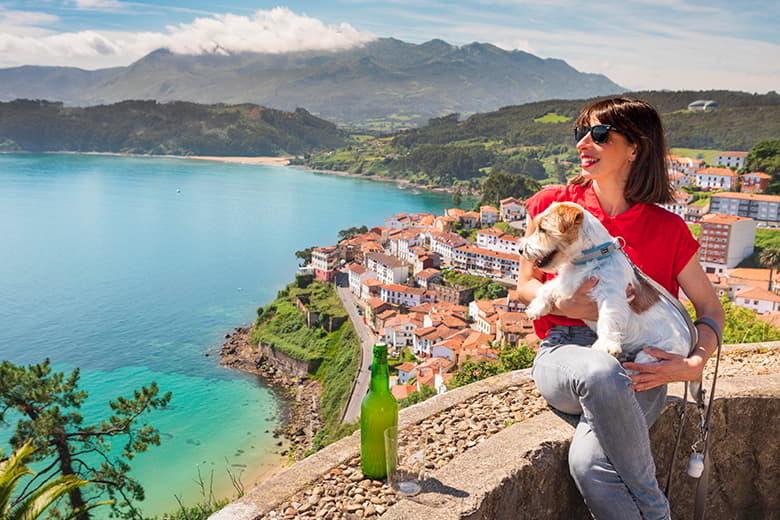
{"x": 512, "y": 209}
{"x": 325, "y": 261}
{"x": 716, "y": 179}
{"x": 725, "y": 241}
{"x": 496, "y": 240}
{"x": 734, "y": 160}
{"x": 444, "y": 245}
{"x": 488, "y": 215}
{"x": 760, "y": 300}
{"x": 388, "y": 268}
{"x": 761, "y": 208}
{"x": 680, "y": 204}
{"x": 403, "y": 295}
{"x": 357, "y": 273}
{"x": 398, "y": 221}
{"x": 399, "y": 331}
{"x": 484, "y": 262}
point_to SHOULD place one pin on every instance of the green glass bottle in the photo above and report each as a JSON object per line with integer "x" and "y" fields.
{"x": 378, "y": 412}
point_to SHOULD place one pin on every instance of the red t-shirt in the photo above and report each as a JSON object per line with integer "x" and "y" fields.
{"x": 656, "y": 240}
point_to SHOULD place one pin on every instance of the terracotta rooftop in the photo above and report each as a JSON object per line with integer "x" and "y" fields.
{"x": 756, "y": 293}
{"x": 723, "y": 172}
{"x": 722, "y": 218}
{"x": 387, "y": 260}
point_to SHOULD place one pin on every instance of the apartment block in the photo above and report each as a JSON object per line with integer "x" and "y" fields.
{"x": 725, "y": 241}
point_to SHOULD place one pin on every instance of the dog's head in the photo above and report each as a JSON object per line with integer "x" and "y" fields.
{"x": 555, "y": 237}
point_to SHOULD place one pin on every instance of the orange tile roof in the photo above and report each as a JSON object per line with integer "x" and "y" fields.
{"x": 747, "y": 196}
{"x": 722, "y": 218}
{"x": 371, "y": 282}
{"x": 487, "y": 252}
{"x": 454, "y": 212}
{"x": 509, "y": 200}
{"x": 722, "y": 172}
{"x": 757, "y": 293}
{"x": 428, "y": 273}
{"x": 402, "y": 391}
{"x": 406, "y": 367}
{"x": 356, "y": 268}
{"x": 748, "y": 273}
{"x": 488, "y": 209}
{"x": 733, "y": 154}
{"x": 403, "y": 289}
{"x": 760, "y": 175}
{"x": 375, "y": 303}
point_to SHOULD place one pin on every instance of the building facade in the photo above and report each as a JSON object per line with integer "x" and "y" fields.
{"x": 725, "y": 241}
{"x": 764, "y": 209}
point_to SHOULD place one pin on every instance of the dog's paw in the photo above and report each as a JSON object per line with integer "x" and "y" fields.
{"x": 536, "y": 309}
{"x": 613, "y": 348}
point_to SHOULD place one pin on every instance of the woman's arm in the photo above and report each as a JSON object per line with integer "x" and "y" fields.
{"x": 672, "y": 367}
{"x": 579, "y": 306}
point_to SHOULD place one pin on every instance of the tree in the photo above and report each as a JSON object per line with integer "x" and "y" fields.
{"x": 499, "y": 186}
{"x": 516, "y": 358}
{"x": 770, "y": 258}
{"x": 765, "y": 157}
{"x": 12, "y": 470}
{"x": 304, "y": 255}
{"x": 345, "y": 234}
{"x": 457, "y": 198}
{"x": 48, "y": 406}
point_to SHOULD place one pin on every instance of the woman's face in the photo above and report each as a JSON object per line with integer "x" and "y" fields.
{"x": 609, "y": 160}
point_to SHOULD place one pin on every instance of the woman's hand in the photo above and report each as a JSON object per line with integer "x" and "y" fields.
{"x": 669, "y": 369}
{"x": 581, "y": 305}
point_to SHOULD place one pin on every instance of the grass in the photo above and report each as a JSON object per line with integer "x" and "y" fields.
{"x": 708, "y": 156}
{"x": 765, "y": 238}
{"x": 552, "y": 117}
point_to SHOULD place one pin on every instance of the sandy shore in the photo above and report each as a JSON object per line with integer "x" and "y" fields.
{"x": 401, "y": 183}
{"x": 272, "y": 161}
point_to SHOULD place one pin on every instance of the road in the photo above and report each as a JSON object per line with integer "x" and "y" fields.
{"x": 367, "y": 340}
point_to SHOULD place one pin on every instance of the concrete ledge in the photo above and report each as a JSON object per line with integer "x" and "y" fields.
{"x": 522, "y": 471}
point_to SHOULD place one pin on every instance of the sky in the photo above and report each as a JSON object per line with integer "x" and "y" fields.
{"x": 639, "y": 44}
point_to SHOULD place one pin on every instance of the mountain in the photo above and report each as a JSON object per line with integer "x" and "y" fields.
{"x": 176, "y": 128}
{"x": 386, "y": 81}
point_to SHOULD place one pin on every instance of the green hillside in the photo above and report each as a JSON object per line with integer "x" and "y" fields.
{"x": 176, "y": 128}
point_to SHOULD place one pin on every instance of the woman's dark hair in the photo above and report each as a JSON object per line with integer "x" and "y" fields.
{"x": 637, "y": 121}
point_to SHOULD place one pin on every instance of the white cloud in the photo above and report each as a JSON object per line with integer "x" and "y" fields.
{"x": 276, "y": 30}
{"x": 97, "y": 4}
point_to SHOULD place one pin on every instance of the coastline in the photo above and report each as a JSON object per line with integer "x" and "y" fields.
{"x": 400, "y": 183}
{"x": 299, "y": 396}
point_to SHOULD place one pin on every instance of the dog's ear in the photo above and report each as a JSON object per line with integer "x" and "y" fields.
{"x": 569, "y": 218}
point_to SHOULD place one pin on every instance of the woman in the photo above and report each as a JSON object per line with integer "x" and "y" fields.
{"x": 623, "y": 158}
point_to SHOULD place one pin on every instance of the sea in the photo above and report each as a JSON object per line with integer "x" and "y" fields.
{"x": 133, "y": 269}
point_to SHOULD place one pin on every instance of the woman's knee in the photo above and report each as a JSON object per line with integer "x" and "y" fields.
{"x": 601, "y": 372}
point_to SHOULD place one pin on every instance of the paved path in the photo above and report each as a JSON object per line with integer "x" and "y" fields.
{"x": 367, "y": 340}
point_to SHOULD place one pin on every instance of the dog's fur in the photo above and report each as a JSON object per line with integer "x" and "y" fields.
{"x": 625, "y": 324}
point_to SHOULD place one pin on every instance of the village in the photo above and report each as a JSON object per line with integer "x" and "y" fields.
{"x": 439, "y": 289}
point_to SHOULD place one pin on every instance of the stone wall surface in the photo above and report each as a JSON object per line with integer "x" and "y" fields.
{"x": 521, "y": 472}
{"x": 282, "y": 361}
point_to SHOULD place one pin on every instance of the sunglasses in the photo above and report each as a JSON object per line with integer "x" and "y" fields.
{"x": 599, "y": 133}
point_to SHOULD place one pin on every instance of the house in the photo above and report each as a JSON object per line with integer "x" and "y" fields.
{"x": 696, "y": 210}
{"x": 484, "y": 262}
{"x": 424, "y": 259}
{"x": 496, "y": 240}
{"x": 398, "y": 221}
{"x": 406, "y": 372}
{"x": 444, "y": 224}
{"x": 703, "y": 105}
{"x": 388, "y": 268}
{"x": 374, "y": 307}
{"x": 398, "y": 332}
{"x": 426, "y": 337}
{"x": 759, "y": 300}
{"x": 509, "y": 303}
{"x": 680, "y": 204}
{"x": 716, "y": 179}
{"x": 404, "y": 295}
{"x": 683, "y": 165}
{"x": 725, "y": 241}
{"x": 488, "y": 215}
{"x": 512, "y": 327}
{"x": 427, "y": 277}
{"x": 512, "y": 209}
{"x": 402, "y": 243}
{"x": 444, "y": 245}
{"x": 370, "y": 287}
{"x": 485, "y": 316}
{"x": 402, "y": 391}
{"x": 734, "y": 160}
{"x": 755, "y": 182}
{"x": 470, "y": 219}
{"x": 325, "y": 261}
{"x": 357, "y": 273}
{"x": 753, "y": 277}
{"x": 764, "y": 209}
{"x": 454, "y": 294}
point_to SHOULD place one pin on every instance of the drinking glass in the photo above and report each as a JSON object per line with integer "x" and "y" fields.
{"x": 405, "y": 463}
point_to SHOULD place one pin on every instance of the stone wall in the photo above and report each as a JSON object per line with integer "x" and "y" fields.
{"x": 521, "y": 470}
{"x": 288, "y": 364}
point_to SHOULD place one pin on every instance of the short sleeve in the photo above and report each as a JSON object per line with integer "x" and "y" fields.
{"x": 687, "y": 246}
{"x": 542, "y": 199}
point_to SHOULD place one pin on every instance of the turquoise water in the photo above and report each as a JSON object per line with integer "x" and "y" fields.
{"x": 133, "y": 268}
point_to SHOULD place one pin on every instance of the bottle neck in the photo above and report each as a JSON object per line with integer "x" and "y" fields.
{"x": 380, "y": 377}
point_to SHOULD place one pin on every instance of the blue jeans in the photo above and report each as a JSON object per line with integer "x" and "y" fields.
{"x": 609, "y": 458}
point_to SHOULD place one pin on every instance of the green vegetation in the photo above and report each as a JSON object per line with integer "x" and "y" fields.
{"x": 765, "y": 239}
{"x": 425, "y": 392}
{"x": 345, "y": 234}
{"x": 484, "y": 288}
{"x": 552, "y": 117}
{"x": 708, "y": 156}
{"x": 509, "y": 358}
{"x": 31, "y": 505}
{"x": 499, "y": 186}
{"x": 176, "y": 128}
{"x": 695, "y": 229}
{"x": 283, "y": 325}
{"x": 46, "y": 407}
{"x": 765, "y": 157}
{"x": 742, "y": 325}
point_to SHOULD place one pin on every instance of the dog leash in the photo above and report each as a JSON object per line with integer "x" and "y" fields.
{"x": 698, "y": 463}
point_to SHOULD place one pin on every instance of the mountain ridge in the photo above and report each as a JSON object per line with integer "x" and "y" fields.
{"x": 383, "y": 80}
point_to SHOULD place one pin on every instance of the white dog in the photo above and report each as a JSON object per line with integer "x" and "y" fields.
{"x": 572, "y": 242}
